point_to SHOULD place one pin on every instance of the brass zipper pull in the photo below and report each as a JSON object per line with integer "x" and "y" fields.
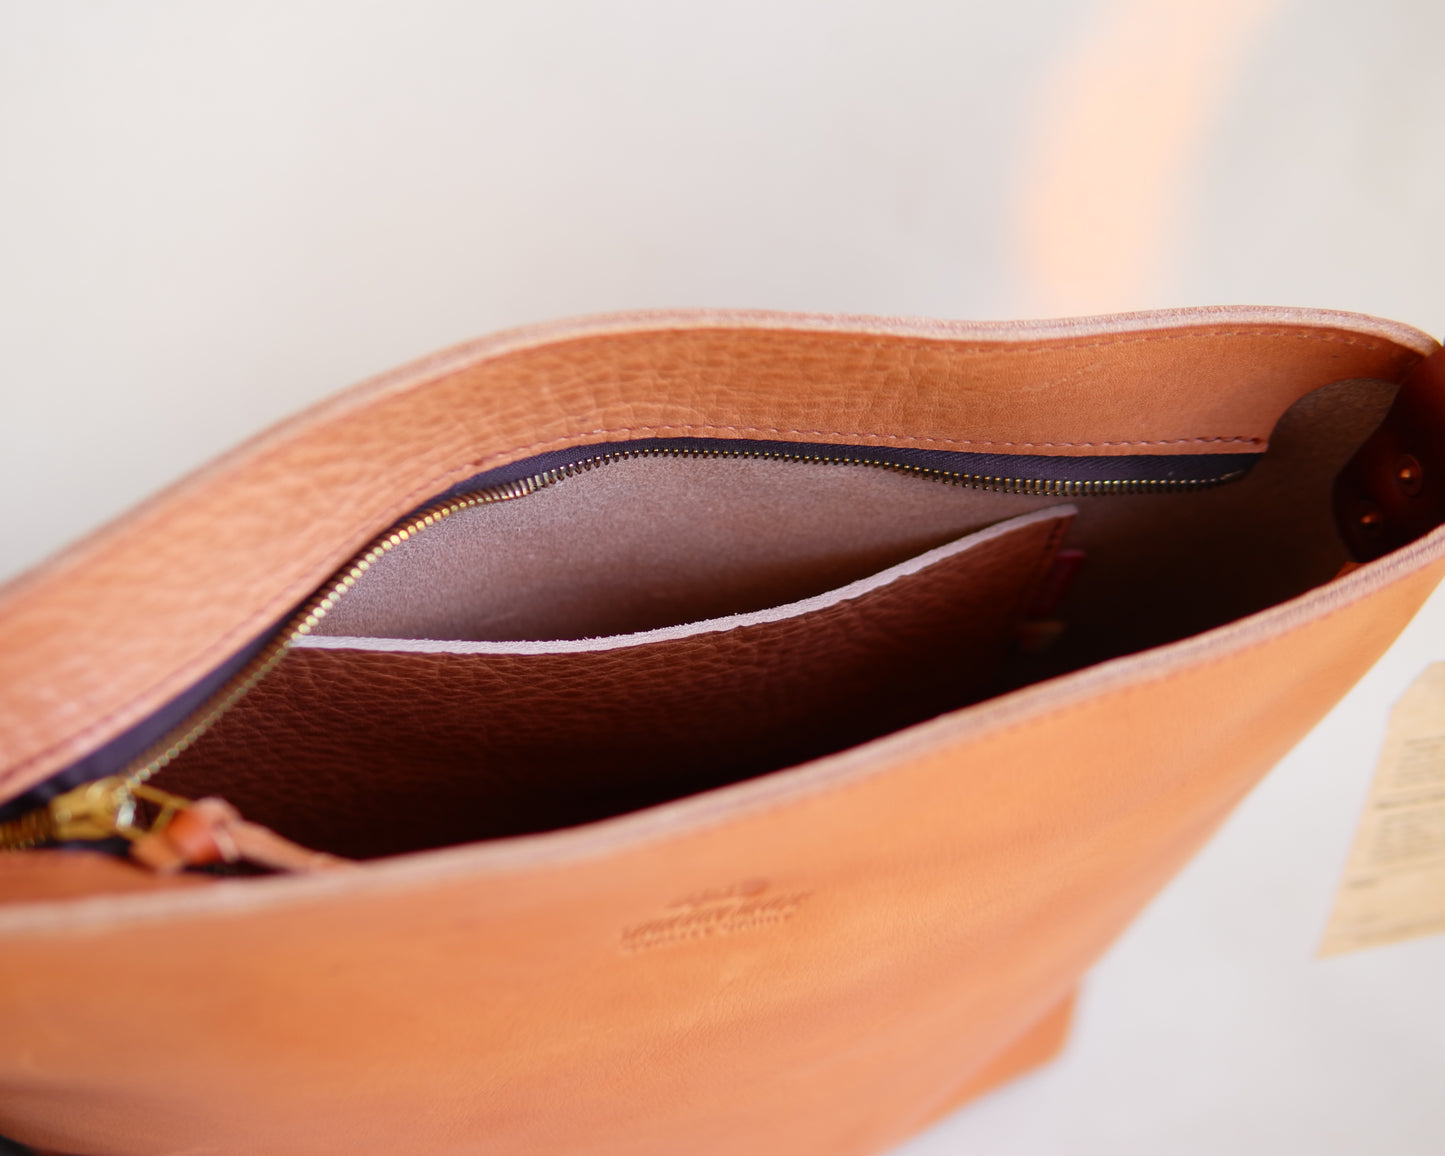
{"x": 104, "y": 809}
{"x": 181, "y": 833}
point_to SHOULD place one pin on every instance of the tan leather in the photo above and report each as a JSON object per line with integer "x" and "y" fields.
{"x": 1036, "y": 1047}
{"x": 1384, "y": 499}
{"x": 220, "y": 557}
{"x": 374, "y": 752}
{"x": 39, "y": 875}
{"x": 211, "y": 831}
{"x": 818, "y": 960}
{"x": 887, "y": 921}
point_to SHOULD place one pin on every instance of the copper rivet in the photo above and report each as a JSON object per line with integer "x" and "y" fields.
{"x": 1408, "y": 475}
{"x": 1370, "y": 517}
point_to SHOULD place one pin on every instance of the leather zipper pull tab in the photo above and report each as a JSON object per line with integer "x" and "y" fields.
{"x": 212, "y": 831}
{"x": 169, "y": 834}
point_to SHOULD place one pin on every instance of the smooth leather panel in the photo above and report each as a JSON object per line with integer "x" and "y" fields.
{"x": 103, "y": 635}
{"x": 44, "y": 875}
{"x": 1038, "y": 1046}
{"x": 824, "y": 955}
{"x": 374, "y": 752}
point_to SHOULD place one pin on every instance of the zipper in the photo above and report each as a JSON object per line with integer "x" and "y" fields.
{"x": 123, "y": 806}
{"x": 103, "y": 809}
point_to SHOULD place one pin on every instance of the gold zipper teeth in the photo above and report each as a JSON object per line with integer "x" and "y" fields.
{"x": 162, "y": 754}
{"x": 1039, "y": 487}
{"x": 29, "y": 830}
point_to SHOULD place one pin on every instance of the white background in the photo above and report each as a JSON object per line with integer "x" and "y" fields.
{"x": 212, "y": 214}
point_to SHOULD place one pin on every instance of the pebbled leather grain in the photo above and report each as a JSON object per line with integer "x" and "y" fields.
{"x": 107, "y": 632}
{"x": 374, "y": 752}
{"x": 819, "y": 960}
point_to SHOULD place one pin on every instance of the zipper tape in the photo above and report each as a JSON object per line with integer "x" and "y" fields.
{"x": 1163, "y": 471}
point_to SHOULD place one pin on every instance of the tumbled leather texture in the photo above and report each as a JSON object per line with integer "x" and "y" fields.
{"x": 366, "y": 753}
{"x": 106, "y": 633}
{"x": 819, "y": 960}
{"x": 815, "y": 962}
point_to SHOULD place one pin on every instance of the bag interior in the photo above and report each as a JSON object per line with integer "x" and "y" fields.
{"x": 664, "y": 625}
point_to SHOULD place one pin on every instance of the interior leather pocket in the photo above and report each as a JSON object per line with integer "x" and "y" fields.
{"x": 367, "y": 747}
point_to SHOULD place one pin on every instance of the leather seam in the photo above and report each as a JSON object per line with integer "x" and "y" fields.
{"x": 902, "y": 440}
{"x": 1004, "y": 346}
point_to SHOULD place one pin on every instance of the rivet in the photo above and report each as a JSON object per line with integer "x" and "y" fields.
{"x": 1370, "y": 518}
{"x": 1409, "y": 475}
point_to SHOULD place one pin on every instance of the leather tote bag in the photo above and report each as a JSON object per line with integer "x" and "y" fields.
{"x": 699, "y": 732}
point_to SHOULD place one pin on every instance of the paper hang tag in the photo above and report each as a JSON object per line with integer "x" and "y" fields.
{"x": 1394, "y": 882}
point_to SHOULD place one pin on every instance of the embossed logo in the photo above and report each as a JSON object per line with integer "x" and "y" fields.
{"x": 746, "y": 906}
